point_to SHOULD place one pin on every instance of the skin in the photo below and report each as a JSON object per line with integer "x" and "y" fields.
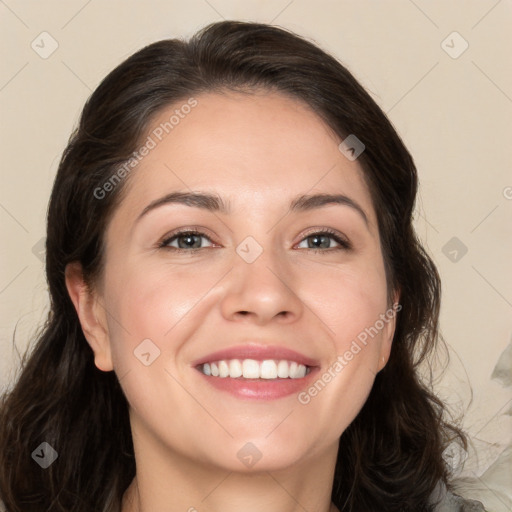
{"x": 258, "y": 152}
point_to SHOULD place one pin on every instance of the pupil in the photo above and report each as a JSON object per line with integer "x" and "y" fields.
{"x": 188, "y": 241}
{"x": 319, "y": 241}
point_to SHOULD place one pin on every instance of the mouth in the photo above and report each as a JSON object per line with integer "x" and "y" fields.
{"x": 257, "y": 372}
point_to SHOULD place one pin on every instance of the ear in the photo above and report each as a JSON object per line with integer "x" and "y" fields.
{"x": 388, "y": 331}
{"x": 91, "y": 315}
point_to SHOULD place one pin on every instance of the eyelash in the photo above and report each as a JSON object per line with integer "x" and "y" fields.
{"x": 343, "y": 244}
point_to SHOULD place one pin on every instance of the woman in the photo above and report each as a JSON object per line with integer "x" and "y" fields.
{"x": 239, "y": 302}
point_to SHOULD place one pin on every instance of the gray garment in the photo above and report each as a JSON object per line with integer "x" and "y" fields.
{"x": 449, "y": 502}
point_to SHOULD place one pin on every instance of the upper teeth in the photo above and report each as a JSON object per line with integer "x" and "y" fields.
{"x": 252, "y": 369}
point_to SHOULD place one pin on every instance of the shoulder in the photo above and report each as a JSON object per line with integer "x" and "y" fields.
{"x": 446, "y": 501}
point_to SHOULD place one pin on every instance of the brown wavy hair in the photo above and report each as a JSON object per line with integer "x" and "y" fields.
{"x": 390, "y": 457}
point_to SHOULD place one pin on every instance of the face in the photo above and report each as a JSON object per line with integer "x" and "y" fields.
{"x": 260, "y": 279}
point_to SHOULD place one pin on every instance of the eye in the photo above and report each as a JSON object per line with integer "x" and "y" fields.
{"x": 323, "y": 240}
{"x": 191, "y": 240}
{"x": 184, "y": 240}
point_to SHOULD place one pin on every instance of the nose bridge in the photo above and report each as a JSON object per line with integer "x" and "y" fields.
{"x": 262, "y": 263}
{"x": 260, "y": 281}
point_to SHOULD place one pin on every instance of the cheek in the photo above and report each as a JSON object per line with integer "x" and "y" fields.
{"x": 151, "y": 317}
{"x": 149, "y": 302}
{"x": 347, "y": 300}
{"x": 351, "y": 303}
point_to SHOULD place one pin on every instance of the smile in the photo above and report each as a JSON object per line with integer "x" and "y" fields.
{"x": 254, "y": 369}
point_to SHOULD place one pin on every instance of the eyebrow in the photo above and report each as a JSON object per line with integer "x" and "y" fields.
{"x": 214, "y": 203}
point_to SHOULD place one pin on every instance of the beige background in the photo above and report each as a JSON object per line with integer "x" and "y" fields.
{"x": 454, "y": 114}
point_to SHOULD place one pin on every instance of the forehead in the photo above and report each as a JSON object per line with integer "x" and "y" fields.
{"x": 256, "y": 149}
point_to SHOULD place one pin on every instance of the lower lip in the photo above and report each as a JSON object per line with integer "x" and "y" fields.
{"x": 260, "y": 389}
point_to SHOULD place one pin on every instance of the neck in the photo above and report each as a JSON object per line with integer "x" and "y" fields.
{"x": 176, "y": 484}
{"x": 133, "y": 501}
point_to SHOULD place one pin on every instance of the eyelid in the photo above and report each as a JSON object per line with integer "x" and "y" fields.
{"x": 166, "y": 239}
{"x": 339, "y": 237}
{"x": 342, "y": 241}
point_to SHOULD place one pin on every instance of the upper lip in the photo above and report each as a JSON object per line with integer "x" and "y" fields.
{"x": 257, "y": 352}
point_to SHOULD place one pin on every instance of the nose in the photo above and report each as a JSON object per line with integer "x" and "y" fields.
{"x": 262, "y": 291}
